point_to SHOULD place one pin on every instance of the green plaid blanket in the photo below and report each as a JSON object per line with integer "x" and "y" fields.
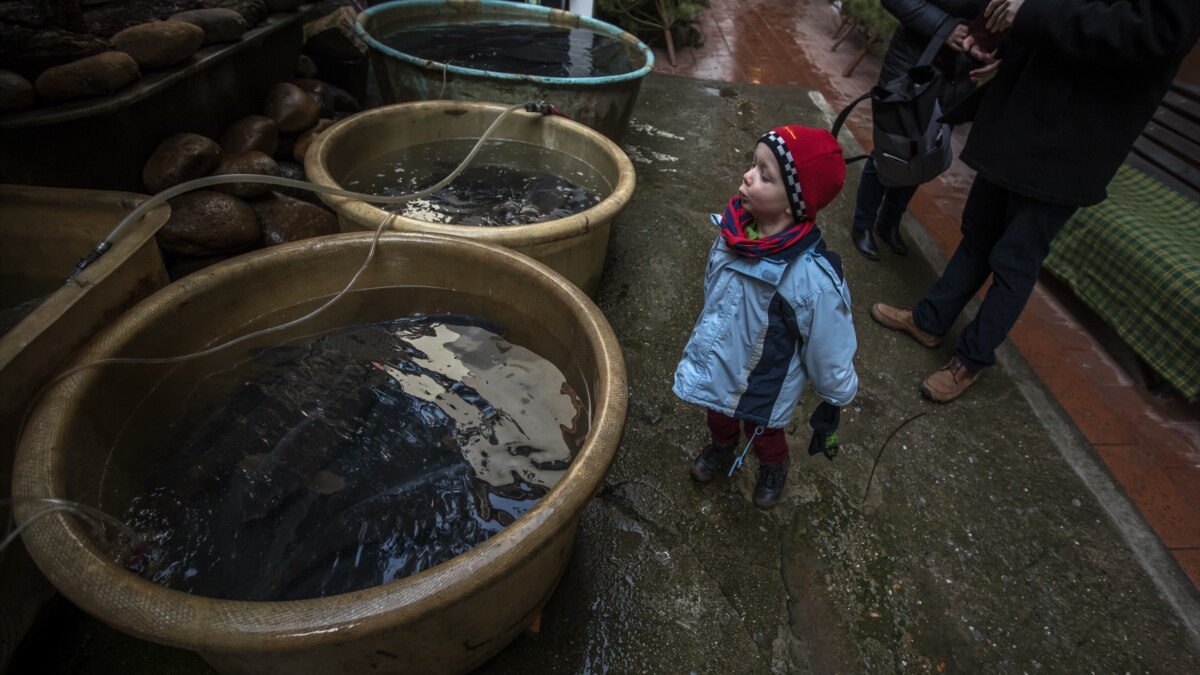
{"x": 1135, "y": 260}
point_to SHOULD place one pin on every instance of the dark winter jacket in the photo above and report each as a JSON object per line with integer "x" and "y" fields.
{"x": 1077, "y": 84}
{"x": 919, "y": 20}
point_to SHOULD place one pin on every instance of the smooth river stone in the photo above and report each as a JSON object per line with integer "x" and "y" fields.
{"x": 160, "y": 44}
{"x": 178, "y": 159}
{"x": 251, "y": 161}
{"x": 291, "y": 107}
{"x": 16, "y": 92}
{"x": 205, "y": 223}
{"x": 252, "y": 132}
{"x": 91, "y": 76}
{"x": 219, "y": 24}
{"x": 300, "y": 149}
{"x": 285, "y": 219}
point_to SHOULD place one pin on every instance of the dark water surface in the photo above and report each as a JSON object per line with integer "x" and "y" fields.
{"x": 11, "y": 316}
{"x": 508, "y": 183}
{"x": 375, "y": 452}
{"x": 515, "y": 48}
{"x": 20, "y": 295}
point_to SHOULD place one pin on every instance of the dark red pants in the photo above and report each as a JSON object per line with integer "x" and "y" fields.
{"x": 770, "y": 445}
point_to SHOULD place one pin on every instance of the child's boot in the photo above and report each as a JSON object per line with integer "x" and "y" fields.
{"x": 713, "y": 460}
{"x": 769, "y": 486}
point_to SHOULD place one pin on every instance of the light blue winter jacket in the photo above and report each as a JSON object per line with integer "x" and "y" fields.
{"x": 770, "y": 325}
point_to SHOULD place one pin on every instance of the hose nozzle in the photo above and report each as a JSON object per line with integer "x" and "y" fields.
{"x": 544, "y": 108}
{"x": 90, "y": 258}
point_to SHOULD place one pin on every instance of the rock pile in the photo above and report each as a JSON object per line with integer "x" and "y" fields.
{"x": 207, "y": 225}
{"x": 47, "y": 57}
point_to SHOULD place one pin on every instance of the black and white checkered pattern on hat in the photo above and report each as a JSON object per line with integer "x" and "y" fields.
{"x": 787, "y": 166}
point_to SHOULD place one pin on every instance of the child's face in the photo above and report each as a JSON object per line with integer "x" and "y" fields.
{"x": 762, "y": 190}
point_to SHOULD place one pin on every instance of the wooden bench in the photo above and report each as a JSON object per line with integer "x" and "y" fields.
{"x": 1135, "y": 258}
{"x": 1169, "y": 147}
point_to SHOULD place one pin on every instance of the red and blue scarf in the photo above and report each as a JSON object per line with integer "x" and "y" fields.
{"x": 802, "y": 234}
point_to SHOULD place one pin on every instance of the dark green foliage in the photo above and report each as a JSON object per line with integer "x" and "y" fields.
{"x": 648, "y": 19}
{"x": 875, "y": 22}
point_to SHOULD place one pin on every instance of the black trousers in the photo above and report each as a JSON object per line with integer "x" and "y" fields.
{"x": 877, "y": 203}
{"x": 1005, "y": 235}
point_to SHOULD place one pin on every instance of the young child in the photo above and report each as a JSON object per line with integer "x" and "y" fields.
{"x": 776, "y": 312}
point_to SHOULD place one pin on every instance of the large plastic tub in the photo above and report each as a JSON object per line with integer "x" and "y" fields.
{"x": 43, "y": 233}
{"x": 602, "y": 103}
{"x": 574, "y": 246}
{"x": 447, "y": 619}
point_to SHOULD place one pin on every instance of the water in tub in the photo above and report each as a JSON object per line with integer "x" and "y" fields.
{"x": 11, "y": 316}
{"x": 515, "y": 48}
{"x": 20, "y": 295}
{"x": 374, "y": 453}
{"x": 508, "y": 183}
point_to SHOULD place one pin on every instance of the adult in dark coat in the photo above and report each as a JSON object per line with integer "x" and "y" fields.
{"x": 879, "y": 207}
{"x": 1077, "y": 82}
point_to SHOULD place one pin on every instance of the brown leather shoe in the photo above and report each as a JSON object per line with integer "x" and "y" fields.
{"x": 902, "y": 320}
{"x": 948, "y": 382}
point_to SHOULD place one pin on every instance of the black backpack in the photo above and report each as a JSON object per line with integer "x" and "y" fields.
{"x": 911, "y": 145}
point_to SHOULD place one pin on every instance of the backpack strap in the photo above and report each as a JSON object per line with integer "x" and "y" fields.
{"x": 935, "y": 44}
{"x": 908, "y": 115}
{"x": 927, "y": 56}
{"x": 841, "y": 120}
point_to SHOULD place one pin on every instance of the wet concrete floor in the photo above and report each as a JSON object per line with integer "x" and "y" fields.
{"x": 974, "y": 537}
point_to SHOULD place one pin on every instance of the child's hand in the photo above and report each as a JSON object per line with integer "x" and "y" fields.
{"x": 824, "y": 422}
{"x": 824, "y": 443}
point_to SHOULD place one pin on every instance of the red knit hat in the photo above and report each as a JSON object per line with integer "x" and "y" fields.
{"x": 812, "y": 165}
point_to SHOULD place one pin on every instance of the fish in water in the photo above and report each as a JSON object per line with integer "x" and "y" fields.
{"x": 492, "y": 195}
{"x": 509, "y": 183}
{"x": 261, "y": 482}
{"x": 371, "y": 454}
{"x": 401, "y": 514}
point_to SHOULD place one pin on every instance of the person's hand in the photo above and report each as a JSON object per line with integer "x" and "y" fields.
{"x": 824, "y": 443}
{"x": 972, "y": 48}
{"x": 955, "y": 39}
{"x": 824, "y": 422}
{"x": 985, "y": 73}
{"x": 1001, "y": 14}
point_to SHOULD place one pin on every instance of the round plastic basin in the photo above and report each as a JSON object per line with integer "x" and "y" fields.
{"x": 603, "y": 103}
{"x": 573, "y": 246}
{"x": 80, "y": 445}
